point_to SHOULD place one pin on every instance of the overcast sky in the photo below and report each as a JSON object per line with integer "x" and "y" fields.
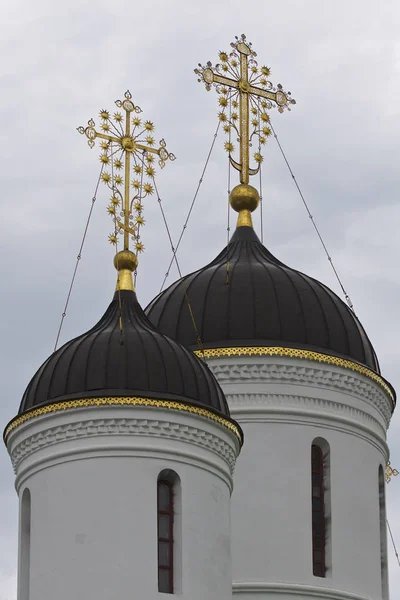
{"x": 63, "y": 62}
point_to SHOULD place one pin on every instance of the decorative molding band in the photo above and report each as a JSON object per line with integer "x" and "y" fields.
{"x": 294, "y": 589}
{"x": 123, "y": 401}
{"x": 340, "y": 381}
{"x": 123, "y": 427}
{"x": 297, "y": 353}
{"x": 284, "y": 403}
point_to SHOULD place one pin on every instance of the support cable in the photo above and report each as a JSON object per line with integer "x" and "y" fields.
{"x": 228, "y": 227}
{"x": 261, "y": 209}
{"x": 260, "y": 178}
{"x": 347, "y": 297}
{"x": 115, "y": 191}
{"x": 394, "y": 545}
{"x": 138, "y": 226}
{"x": 196, "y": 331}
{"x": 191, "y": 206}
{"x": 78, "y": 258}
{"x": 174, "y": 257}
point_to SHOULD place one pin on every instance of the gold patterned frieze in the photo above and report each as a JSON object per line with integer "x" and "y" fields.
{"x": 209, "y": 353}
{"x": 122, "y": 401}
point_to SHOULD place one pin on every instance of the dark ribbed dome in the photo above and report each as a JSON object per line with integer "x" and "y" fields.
{"x": 139, "y": 362}
{"x": 246, "y": 297}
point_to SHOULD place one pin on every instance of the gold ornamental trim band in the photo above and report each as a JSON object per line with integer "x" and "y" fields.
{"x": 122, "y": 401}
{"x": 296, "y": 353}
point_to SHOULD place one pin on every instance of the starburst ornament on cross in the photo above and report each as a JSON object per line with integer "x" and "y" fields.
{"x": 245, "y": 96}
{"x": 127, "y": 146}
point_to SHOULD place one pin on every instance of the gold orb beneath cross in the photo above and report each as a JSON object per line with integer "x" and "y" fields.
{"x": 244, "y": 197}
{"x": 125, "y": 260}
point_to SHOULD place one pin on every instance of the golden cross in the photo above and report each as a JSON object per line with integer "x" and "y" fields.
{"x": 243, "y": 68}
{"x": 127, "y": 142}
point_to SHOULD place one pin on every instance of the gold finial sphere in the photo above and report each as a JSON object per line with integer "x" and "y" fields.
{"x": 244, "y": 197}
{"x": 125, "y": 260}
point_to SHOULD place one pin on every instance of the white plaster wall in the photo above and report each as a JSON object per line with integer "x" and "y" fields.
{"x": 92, "y": 474}
{"x": 283, "y": 404}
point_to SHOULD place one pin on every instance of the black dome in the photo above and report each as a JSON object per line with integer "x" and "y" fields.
{"x": 247, "y": 297}
{"x": 139, "y": 362}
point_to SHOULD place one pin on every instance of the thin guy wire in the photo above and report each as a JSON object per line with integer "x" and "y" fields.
{"x": 228, "y": 264}
{"x": 138, "y": 226}
{"x": 347, "y": 297}
{"x": 261, "y": 198}
{"x": 191, "y": 206}
{"x": 228, "y": 229}
{"x": 394, "y": 545}
{"x": 261, "y": 208}
{"x": 116, "y": 252}
{"x": 196, "y": 331}
{"x": 167, "y": 228}
{"x": 78, "y": 258}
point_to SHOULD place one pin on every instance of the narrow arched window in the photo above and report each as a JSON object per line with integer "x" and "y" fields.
{"x": 169, "y": 532}
{"x": 383, "y": 536}
{"x": 318, "y": 511}
{"x": 165, "y": 536}
{"x": 25, "y": 546}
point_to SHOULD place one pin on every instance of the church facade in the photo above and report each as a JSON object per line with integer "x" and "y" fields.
{"x": 227, "y": 441}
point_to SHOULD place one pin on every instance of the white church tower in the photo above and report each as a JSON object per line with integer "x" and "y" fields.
{"x": 124, "y": 450}
{"x": 302, "y": 379}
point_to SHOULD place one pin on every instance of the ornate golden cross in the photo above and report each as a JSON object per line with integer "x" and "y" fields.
{"x": 254, "y": 100}
{"x": 127, "y": 141}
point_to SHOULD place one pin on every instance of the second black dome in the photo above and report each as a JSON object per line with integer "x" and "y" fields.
{"x": 247, "y": 297}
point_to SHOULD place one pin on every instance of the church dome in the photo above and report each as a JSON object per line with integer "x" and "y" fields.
{"x": 138, "y": 361}
{"x": 247, "y": 297}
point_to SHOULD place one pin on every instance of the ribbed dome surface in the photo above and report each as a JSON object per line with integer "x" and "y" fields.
{"x": 139, "y": 362}
{"x": 247, "y": 297}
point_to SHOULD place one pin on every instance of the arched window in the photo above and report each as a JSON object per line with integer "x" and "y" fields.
{"x": 165, "y": 527}
{"x": 169, "y": 532}
{"x": 382, "y": 525}
{"x": 320, "y": 507}
{"x": 25, "y": 546}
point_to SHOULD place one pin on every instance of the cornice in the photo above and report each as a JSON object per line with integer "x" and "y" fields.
{"x": 212, "y": 353}
{"x": 248, "y": 404}
{"x": 122, "y": 401}
{"x": 144, "y": 427}
{"x": 266, "y": 372}
{"x": 293, "y": 590}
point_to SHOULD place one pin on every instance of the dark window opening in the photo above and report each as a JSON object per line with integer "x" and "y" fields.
{"x": 165, "y": 527}
{"x": 25, "y": 545}
{"x": 318, "y": 512}
{"x": 382, "y": 523}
